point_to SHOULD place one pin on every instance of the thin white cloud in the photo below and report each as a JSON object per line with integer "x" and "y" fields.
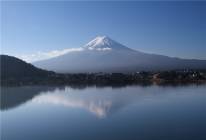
{"x": 100, "y": 49}
{"x": 46, "y": 55}
{"x": 104, "y": 49}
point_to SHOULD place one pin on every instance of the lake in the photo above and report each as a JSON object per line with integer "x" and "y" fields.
{"x": 104, "y": 113}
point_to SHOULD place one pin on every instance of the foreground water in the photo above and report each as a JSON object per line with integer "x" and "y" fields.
{"x": 104, "y": 113}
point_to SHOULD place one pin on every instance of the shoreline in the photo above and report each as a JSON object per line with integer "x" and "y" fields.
{"x": 139, "y": 78}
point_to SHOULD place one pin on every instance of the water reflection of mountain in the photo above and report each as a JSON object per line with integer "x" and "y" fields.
{"x": 100, "y": 104}
{"x": 100, "y": 101}
{"x": 12, "y": 97}
{"x": 99, "y": 107}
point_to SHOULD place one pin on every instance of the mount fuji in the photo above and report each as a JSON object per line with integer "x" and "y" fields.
{"x": 103, "y": 54}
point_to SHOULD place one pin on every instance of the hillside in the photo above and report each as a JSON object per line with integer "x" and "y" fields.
{"x": 14, "y": 69}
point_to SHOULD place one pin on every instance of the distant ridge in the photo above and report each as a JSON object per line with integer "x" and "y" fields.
{"x": 103, "y": 54}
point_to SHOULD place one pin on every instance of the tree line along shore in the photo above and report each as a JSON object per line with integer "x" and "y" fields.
{"x": 142, "y": 77}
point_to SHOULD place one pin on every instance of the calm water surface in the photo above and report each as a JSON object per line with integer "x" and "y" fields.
{"x": 104, "y": 113}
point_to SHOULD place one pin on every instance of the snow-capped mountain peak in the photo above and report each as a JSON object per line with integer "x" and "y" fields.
{"x": 103, "y": 43}
{"x": 100, "y": 43}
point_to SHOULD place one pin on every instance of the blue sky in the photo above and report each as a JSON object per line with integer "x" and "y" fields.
{"x": 176, "y": 29}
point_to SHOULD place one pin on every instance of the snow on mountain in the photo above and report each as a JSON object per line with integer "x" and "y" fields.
{"x": 103, "y": 43}
{"x": 99, "y": 42}
{"x": 103, "y": 54}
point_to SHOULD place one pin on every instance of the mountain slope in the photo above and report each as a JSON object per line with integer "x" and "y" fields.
{"x": 14, "y": 68}
{"x": 106, "y": 55}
